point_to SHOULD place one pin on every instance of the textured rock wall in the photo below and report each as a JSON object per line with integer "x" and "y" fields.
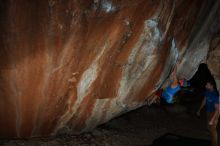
{"x": 67, "y": 66}
{"x": 213, "y": 60}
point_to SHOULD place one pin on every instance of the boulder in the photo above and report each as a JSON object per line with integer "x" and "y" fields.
{"x": 72, "y": 65}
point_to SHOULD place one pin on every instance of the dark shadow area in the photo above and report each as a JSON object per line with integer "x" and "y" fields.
{"x": 177, "y": 140}
{"x": 191, "y": 100}
{"x": 200, "y": 78}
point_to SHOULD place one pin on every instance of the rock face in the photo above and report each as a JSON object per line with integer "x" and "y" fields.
{"x": 213, "y": 60}
{"x": 67, "y": 66}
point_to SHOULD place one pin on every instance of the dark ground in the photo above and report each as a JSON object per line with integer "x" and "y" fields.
{"x": 137, "y": 128}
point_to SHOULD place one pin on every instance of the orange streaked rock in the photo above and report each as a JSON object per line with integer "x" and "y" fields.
{"x": 68, "y": 66}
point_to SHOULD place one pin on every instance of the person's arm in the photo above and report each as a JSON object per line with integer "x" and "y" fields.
{"x": 201, "y": 106}
{"x": 215, "y": 115}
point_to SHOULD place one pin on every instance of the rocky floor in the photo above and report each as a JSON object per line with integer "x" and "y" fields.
{"x": 137, "y": 128}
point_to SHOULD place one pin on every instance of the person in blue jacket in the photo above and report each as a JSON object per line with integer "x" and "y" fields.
{"x": 211, "y": 101}
{"x": 169, "y": 94}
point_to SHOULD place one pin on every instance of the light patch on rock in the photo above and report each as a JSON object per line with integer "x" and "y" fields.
{"x": 107, "y": 6}
{"x": 86, "y": 81}
{"x": 170, "y": 63}
{"x": 140, "y": 61}
{"x": 200, "y": 50}
{"x": 97, "y": 114}
{"x": 83, "y": 88}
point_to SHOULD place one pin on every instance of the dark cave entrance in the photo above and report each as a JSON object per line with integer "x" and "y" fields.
{"x": 198, "y": 82}
{"x": 200, "y": 78}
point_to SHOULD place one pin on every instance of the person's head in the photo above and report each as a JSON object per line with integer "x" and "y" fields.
{"x": 210, "y": 85}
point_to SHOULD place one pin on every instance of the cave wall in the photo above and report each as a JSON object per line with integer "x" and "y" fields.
{"x": 213, "y": 60}
{"x": 68, "y": 66}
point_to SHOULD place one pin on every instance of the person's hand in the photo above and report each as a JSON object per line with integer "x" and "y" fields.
{"x": 198, "y": 113}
